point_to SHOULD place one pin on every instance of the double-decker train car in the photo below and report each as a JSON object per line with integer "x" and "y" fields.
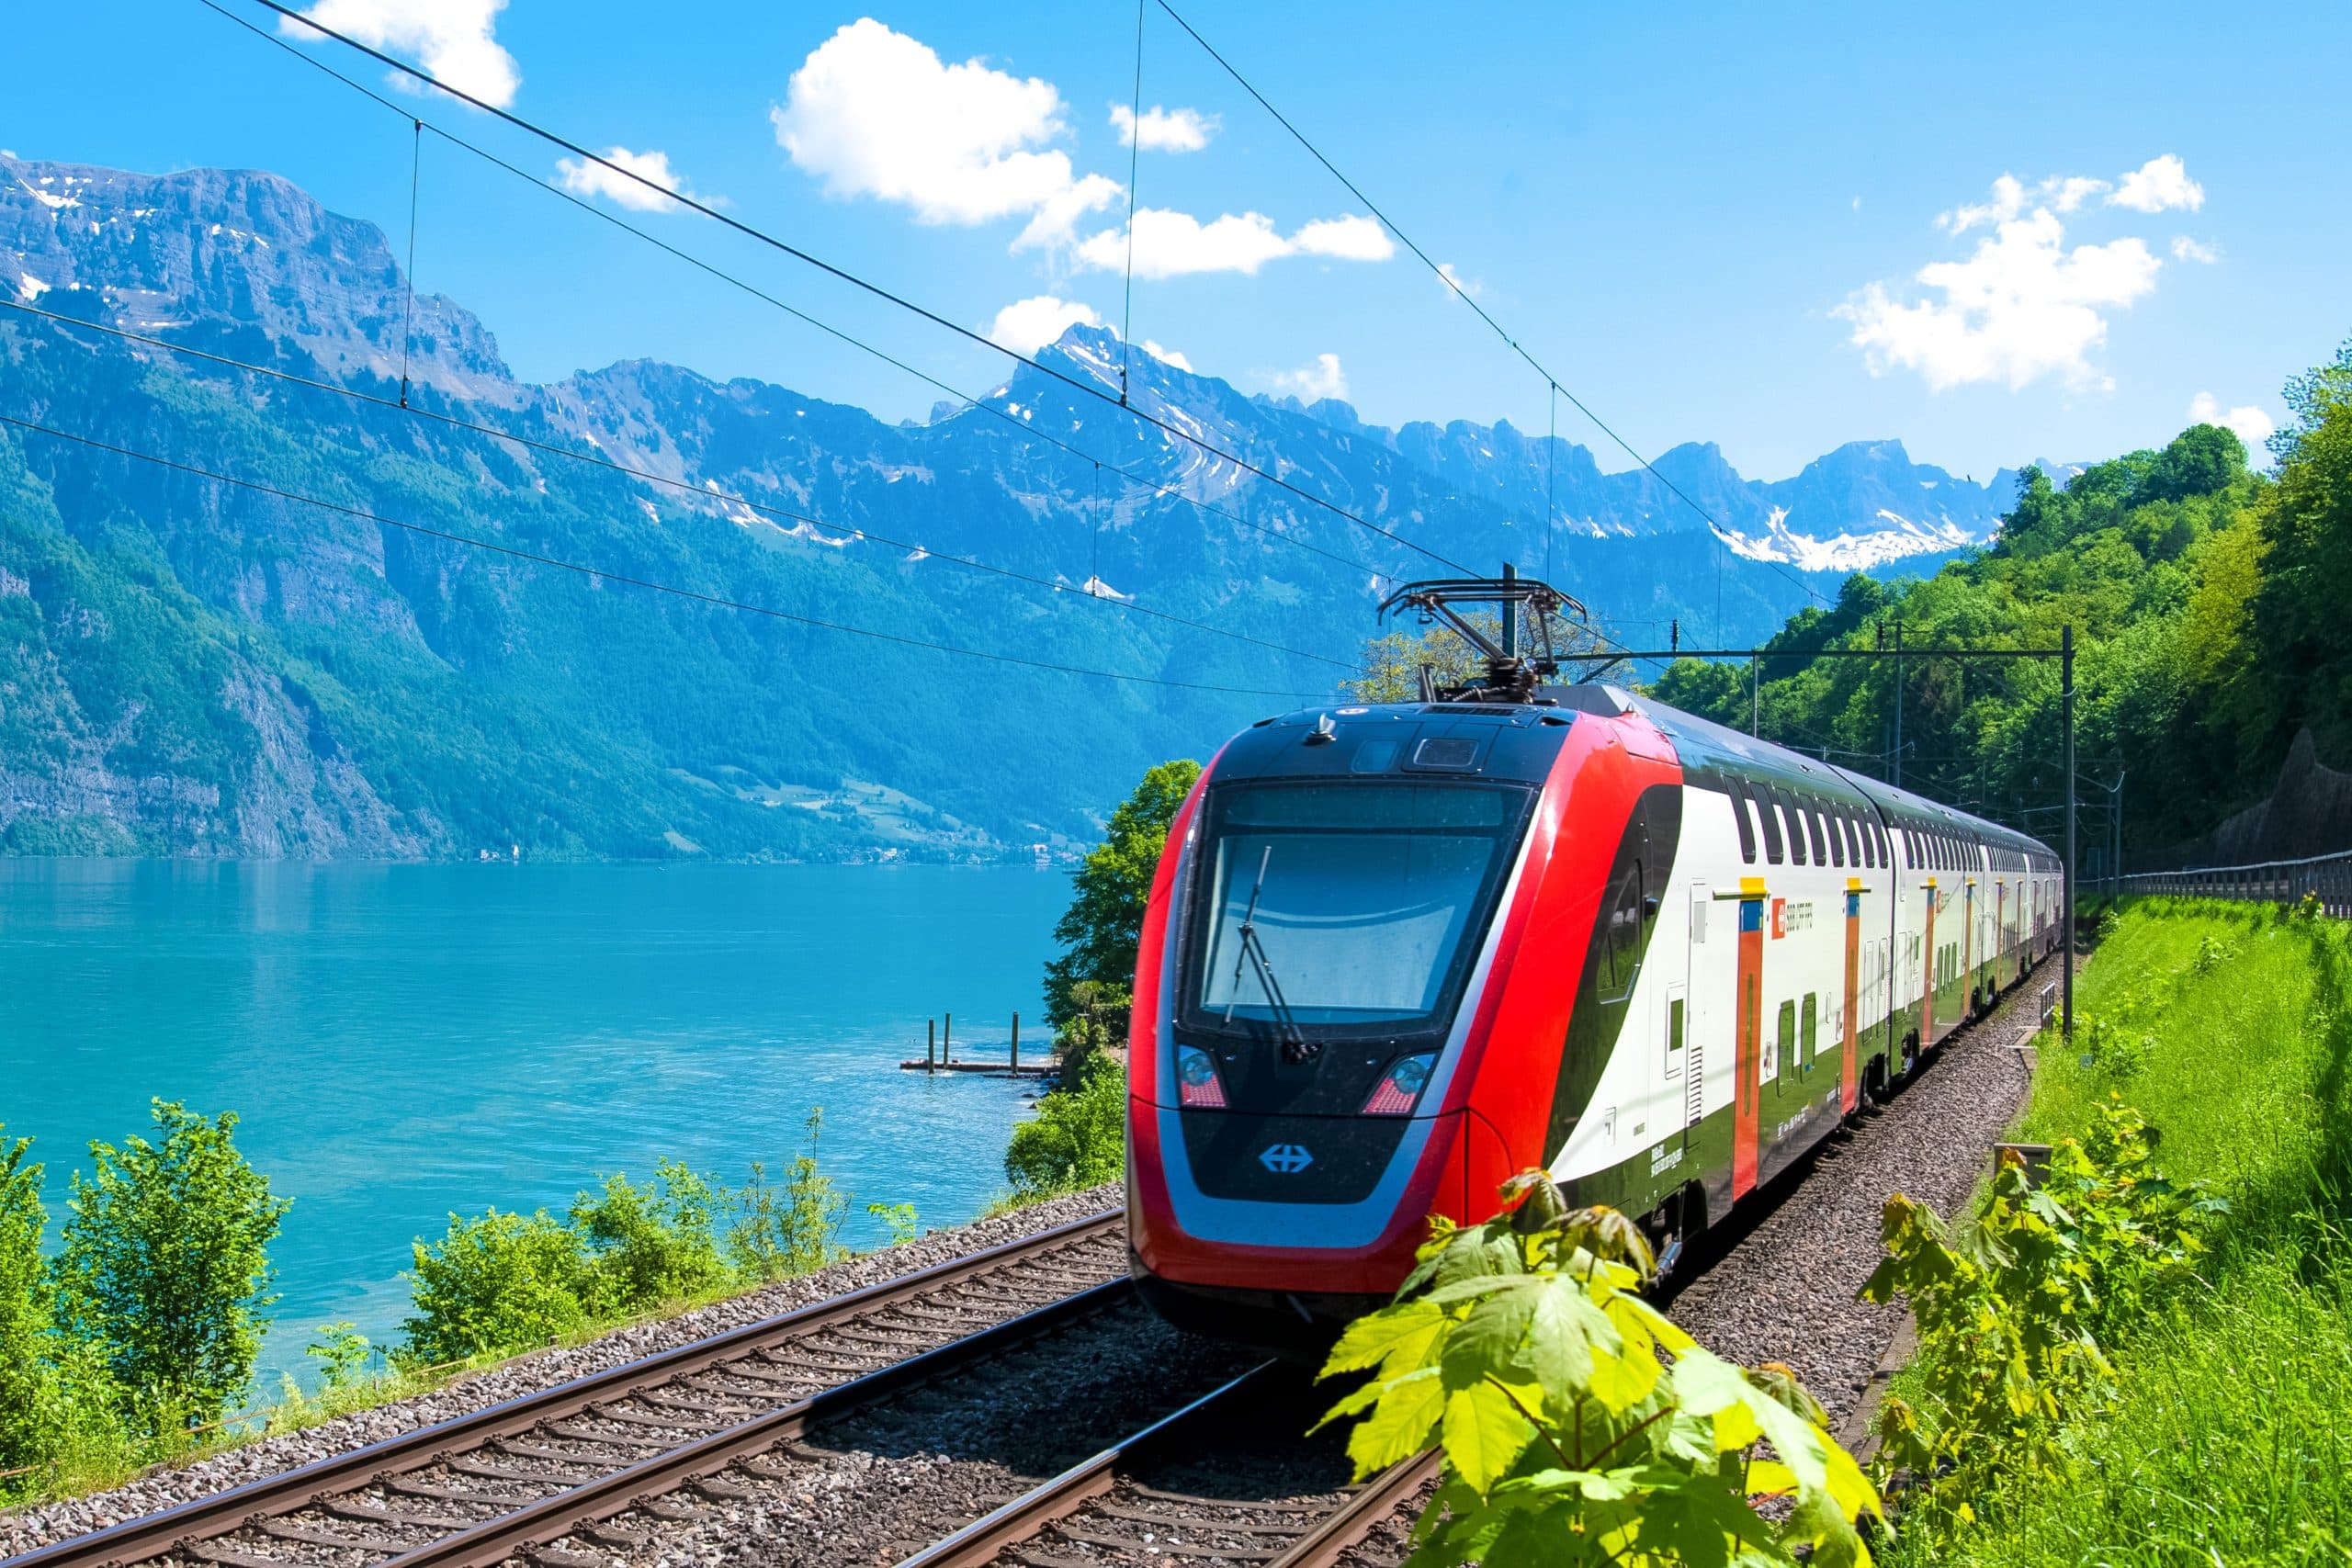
{"x": 1394, "y": 953}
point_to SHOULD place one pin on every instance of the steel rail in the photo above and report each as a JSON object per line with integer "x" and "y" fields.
{"x": 154, "y": 1534}
{"x": 536, "y": 1524}
{"x": 1067, "y": 1496}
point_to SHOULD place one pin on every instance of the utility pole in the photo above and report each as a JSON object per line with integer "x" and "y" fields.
{"x": 1898, "y": 705}
{"x": 2115, "y": 833}
{"x": 2066, "y": 716}
{"x": 1510, "y": 614}
{"x": 1755, "y": 699}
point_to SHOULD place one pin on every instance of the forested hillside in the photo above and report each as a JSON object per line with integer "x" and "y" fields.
{"x": 2209, "y": 604}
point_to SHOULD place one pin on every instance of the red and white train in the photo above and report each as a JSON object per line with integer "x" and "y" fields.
{"x": 1395, "y": 953}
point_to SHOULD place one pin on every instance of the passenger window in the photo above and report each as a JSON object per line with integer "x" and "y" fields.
{"x": 1795, "y": 816}
{"x": 1812, "y": 810}
{"x": 1747, "y": 829}
{"x": 1810, "y": 1028}
{"x": 1785, "y": 1043}
{"x": 1621, "y": 940}
{"x": 1838, "y": 840}
{"x": 1770, "y": 818}
{"x": 1674, "y": 1037}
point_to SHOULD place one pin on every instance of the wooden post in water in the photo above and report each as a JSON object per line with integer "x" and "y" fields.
{"x": 1016, "y": 1044}
{"x": 946, "y": 1038}
{"x": 930, "y": 1044}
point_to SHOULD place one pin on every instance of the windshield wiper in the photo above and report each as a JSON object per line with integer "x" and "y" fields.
{"x": 1297, "y": 1047}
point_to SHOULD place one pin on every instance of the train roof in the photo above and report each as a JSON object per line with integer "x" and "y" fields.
{"x": 1518, "y": 741}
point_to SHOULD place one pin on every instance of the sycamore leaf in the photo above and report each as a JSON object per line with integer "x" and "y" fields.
{"x": 1400, "y": 1425}
{"x": 1484, "y": 1435}
{"x": 1400, "y": 1334}
{"x": 1486, "y": 1341}
{"x": 1560, "y": 1333}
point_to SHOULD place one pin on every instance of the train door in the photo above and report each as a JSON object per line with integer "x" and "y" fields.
{"x": 1703, "y": 1016}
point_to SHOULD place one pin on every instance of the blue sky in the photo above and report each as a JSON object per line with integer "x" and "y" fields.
{"x": 1711, "y": 222}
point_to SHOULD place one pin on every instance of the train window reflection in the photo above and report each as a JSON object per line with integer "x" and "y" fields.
{"x": 1339, "y": 904}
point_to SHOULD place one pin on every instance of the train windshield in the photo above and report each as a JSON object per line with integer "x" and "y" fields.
{"x": 1331, "y": 905}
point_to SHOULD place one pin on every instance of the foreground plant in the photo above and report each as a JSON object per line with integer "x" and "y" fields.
{"x": 1579, "y": 1424}
{"x": 2011, "y": 1307}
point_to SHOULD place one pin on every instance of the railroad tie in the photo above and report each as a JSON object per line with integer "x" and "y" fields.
{"x": 227, "y": 1556}
{"x": 277, "y": 1529}
{"x": 344, "y": 1507}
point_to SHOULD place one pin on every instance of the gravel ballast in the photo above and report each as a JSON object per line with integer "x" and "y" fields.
{"x": 26, "y": 1528}
{"x": 1787, "y": 1290}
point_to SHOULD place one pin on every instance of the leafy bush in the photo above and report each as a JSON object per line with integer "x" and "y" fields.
{"x": 1579, "y": 1424}
{"x": 1104, "y": 921}
{"x": 165, "y": 1266}
{"x": 2010, "y": 1310}
{"x": 652, "y": 1244}
{"x": 1078, "y": 1138}
{"x": 898, "y": 1219}
{"x": 500, "y": 1283}
{"x": 795, "y": 1230}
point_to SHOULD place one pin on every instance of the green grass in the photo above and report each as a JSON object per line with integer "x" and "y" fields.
{"x": 2226, "y": 1434}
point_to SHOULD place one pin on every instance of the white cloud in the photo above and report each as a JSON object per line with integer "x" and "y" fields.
{"x": 2158, "y": 186}
{"x": 873, "y": 112}
{"x": 1344, "y": 239}
{"x": 1320, "y": 378}
{"x": 1166, "y": 356}
{"x": 2022, "y": 306}
{"x": 2252, "y": 425}
{"x": 1164, "y": 130}
{"x": 1459, "y": 283}
{"x": 2011, "y": 196}
{"x": 1027, "y": 325}
{"x": 451, "y": 40}
{"x": 1174, "y": 244}
{"x": 2186, "y": 249}
{"x": 585, "y": 178}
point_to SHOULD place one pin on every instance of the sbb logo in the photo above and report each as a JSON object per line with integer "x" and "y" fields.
{"x": 1286, "y": 1160}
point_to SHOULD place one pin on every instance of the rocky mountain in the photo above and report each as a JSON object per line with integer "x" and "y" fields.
{"x": 367, "y": 646}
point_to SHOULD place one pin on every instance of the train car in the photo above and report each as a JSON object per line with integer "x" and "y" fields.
{"x": 1394, "y": 953}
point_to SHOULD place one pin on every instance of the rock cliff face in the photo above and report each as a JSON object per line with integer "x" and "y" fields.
{"x": 189, "y": 667}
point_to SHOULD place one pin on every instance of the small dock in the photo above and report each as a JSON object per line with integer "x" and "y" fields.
{"x": 1005, "y": 1069}
{"x": 939, "y": 1055}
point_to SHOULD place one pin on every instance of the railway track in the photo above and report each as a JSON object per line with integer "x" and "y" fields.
{"x": 1226, "y": 1479}
{"x": 568, "y": 1462}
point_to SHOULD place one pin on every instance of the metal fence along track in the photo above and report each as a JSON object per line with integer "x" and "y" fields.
{"x": 2269, "y": 882}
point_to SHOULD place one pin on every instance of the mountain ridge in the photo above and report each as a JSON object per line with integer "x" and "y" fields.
{"x": 274, "y": 680}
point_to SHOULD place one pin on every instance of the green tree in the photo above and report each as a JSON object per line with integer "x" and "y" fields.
{"x": 1100, "y": 929}
{"x": 166, "y": 1264}
{"x": 1078, "y": 1138}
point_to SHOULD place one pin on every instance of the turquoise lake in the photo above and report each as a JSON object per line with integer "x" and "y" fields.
{"x": 406, "y": 1041}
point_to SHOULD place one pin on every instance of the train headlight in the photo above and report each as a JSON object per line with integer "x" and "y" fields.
{"x": 1400, "y": 1086}
{"x": 1197, "y": 1087}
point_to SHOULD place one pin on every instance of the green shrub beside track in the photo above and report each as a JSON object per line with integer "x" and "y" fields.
{"x": 2221, "y": 1430}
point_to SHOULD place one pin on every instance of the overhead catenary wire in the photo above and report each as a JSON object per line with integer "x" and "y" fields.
{"x": 1135, "y": 153}
{"x": 761, "y": 236}
{"x": 1445, "y": 275}
{"x": 707, "y": 490}
{"x": 600, "y": 574}
{"x": 1006, "y": 416}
